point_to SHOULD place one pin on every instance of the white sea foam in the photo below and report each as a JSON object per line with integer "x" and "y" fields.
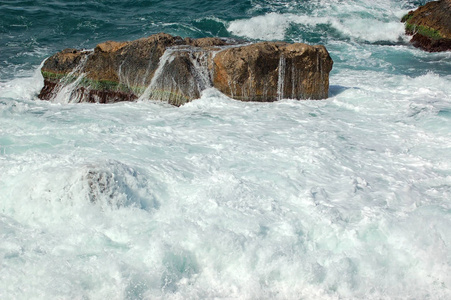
{"x": 26, "y": 87}
{"x": 344, "y": 198}
{"x": 273, "y": 26}
{"x": 358, "y": 20}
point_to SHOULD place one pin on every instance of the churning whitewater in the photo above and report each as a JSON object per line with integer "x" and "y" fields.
{"x": 344, "y": 198}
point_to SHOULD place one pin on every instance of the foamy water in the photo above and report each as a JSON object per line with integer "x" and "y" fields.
{"x": 347, "y": 198}
{"x": 355, "y": 20}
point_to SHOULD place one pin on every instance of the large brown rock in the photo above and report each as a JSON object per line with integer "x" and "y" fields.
{"x": 176, "y": 70}
{"x": 430, "y": 26}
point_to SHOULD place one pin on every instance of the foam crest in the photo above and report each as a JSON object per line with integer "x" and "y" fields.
{"x": 361, "y": 21}
{"x": 369, "y": 30}
{"x": 268, "y": 27}
{"x": 24, "y": 88}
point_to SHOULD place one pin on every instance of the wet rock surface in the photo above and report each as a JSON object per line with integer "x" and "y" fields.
{"x": 175, "y": 70}
{"x": 430, "y": 26}
{"x": 271, "y": 71}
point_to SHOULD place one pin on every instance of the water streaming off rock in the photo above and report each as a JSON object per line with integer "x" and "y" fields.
{"x": 182, "y": 74}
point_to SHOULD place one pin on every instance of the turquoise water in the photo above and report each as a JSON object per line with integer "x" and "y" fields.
{"x": 347, "y": 198}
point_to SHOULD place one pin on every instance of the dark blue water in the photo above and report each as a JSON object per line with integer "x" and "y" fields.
{"x": 33, "y": 30}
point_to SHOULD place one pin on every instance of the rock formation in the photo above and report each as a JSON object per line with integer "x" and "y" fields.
{"x": 430, "y": 26}
{"x": 176, "y": 70}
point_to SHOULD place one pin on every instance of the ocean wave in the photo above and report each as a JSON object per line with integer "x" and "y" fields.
{"x": 274, "y": 26}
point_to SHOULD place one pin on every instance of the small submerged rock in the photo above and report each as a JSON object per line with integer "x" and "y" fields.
{"x": 114, "y": 185}
{"x": 176, "y": 70}
{"x": 430, "y": 26}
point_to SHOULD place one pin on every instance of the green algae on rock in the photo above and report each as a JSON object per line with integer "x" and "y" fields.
{"x": 430, "y": 26}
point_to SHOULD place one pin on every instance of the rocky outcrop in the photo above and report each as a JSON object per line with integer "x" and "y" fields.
{"x": 176, "y": 70}
{"x": 430, "y": 26}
